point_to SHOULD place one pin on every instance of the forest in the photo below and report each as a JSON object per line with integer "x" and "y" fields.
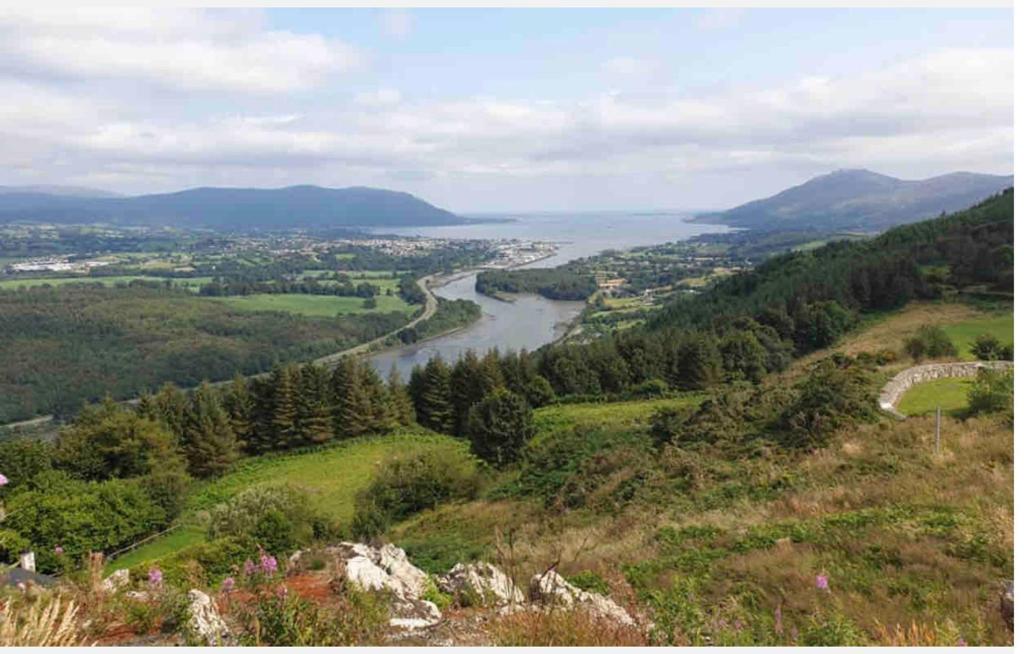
{"x": 562, "y": 283}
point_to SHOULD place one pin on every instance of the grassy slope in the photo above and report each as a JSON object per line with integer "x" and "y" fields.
{"x": 906, "y": 537}
{"x": 332, "y": 475}
{"x": 314, "y": 305}
{"x": 963, "y": 334}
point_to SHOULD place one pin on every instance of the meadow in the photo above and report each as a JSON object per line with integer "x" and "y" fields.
{"x": 963, "y": 333}
{"x": 332, "y": 476}
{"x": 192, "y": 283}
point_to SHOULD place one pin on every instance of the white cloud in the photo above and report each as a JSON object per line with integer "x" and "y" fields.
{"x": 187, "y": 49}
{"x": 717, "y": 19}
{"x": 378, "y": 97}
{"x": 630, "y": 66}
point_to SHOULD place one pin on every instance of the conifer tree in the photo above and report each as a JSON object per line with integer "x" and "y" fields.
{"x": 239, "y": 404}
{"x": 354, "y": 414}
{"x": 209, "y": 440}
{"x": 283, "y": 419}
{"x": 433, "y": 401}
{"x": 314, "y": 411}
{"x": 398, "y": 397}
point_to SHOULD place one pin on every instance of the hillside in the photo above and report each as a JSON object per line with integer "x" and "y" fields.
{"x": 861, "y": 200}
{"x": 231, "y": 208}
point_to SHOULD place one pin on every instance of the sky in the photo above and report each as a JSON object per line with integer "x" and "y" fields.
{"x": 480, "y": 110}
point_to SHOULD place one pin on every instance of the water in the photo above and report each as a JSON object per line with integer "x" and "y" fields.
{"x": 532, "y": 321}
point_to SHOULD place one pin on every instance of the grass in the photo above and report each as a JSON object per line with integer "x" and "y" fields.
{"x": 632, "y": 414}
{"x": 332, "y": 476}
{"x": 325, "y": 306}
{"x": 964, "y": 333}
{"x": 949, "y": 394}
{"x": 158, "y": 548}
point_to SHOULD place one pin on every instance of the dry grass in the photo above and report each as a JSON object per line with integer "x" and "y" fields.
{"x": 566, "y": 628}
{"x": 52, "y": 623}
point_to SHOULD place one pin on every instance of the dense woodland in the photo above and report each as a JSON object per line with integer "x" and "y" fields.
{"x": 562, "y": 283}
{"x": 69, "y": 344}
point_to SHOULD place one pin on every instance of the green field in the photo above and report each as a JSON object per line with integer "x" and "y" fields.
{"x": 191, "y": 282}
{"x": 620, "y": 415}
{"x": 948, "y": 394}
{"x": 964, "y": 333}
{"x": 314, "y": 305}
{"x": 332, "y": 476}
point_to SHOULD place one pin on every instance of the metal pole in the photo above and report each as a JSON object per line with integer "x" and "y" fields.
{"x": 938, "y": 427}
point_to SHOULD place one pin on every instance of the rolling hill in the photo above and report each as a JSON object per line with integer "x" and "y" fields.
{"x": 862, "y": 200}
{"x": 233, "y": 208}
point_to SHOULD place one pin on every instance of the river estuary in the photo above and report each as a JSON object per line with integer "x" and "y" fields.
{"x": 532, "y": 321}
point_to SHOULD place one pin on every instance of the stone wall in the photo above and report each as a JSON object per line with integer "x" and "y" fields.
{"x": 898, "y": 385}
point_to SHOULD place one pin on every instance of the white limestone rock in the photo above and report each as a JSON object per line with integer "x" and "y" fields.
{"x": 552, "y": 590}
{"x": 205, "y": 622}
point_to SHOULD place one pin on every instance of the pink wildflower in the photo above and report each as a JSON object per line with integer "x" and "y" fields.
{"x": 821, "y": 582}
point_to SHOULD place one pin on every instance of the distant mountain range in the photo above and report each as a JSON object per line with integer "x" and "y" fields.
{"x": 861, "y": 200}
{"x": 228, "y": 208}
{"x": 50, "y": 189}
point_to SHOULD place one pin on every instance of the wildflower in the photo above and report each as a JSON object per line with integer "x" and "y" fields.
{"x": 821, "y": 581}
{"x": 3, "y": 480}
{"x": 778, "y": 619}
{"x": 156, "y": 577}
{"x": 227, "y": 585}
{"x": 58, "y": 550}
{"x": 249, "y": 568}
{"x": 268, "y": 564}
{"x": 282, "y": 591}
{"x": 960, "y": 642}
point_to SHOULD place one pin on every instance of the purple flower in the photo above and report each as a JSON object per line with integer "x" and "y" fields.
{"x": 58, "y": 550}
{"x": 3, "y": 480}
{"x": 156, "y": 577}
{"x": 268, "y": 564}
{"x": 960, "y": 642}
{"x": 227, "y": 585}
{"x": 821, "y": 582}
{"x": 249, "y": 568}
{"x": 282, "y": 591}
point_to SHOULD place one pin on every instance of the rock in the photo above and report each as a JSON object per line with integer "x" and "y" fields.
{"x": 552, "y": 590}
{"x": 414, "y": 614}
{"x": 480, "y": 584}
{"x": 204, "y": 621}
{"x": 137, "y": 595}
{"x": 388, "y": 569}
{"x": 115, "y": 582}
{"x": 1006, "y": 604}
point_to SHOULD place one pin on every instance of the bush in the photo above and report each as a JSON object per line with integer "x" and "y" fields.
{"x": 21, "y": 459}
{"x": 667, "y": 423}
{"x": 986, "y": 347}
{"x": 412, "y": 483}
{"x": 279, "y": 517}
{"x": 991, "y": 392}
{"x": 836, "y": 394}
{"x": 929, "y": 341}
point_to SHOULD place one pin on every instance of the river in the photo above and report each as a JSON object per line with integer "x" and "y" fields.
{"x": 532, "y": 321}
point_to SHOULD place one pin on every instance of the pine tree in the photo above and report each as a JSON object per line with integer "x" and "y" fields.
{"x": 209, "y": 440}
{"x": 381, "y": 418}
{"x": 499, "y": 427}
{"x": 353, "y": 414}
{"x": 239, "y": 403}
{"x": 433, "y": 402}
{"x": 398, "y": 397}
{"x": 285, "y": 412}
{"x": 171, "y": 407}
{"x": 314, "y": 411}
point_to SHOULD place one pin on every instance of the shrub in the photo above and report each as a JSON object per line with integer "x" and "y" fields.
{"x": 589, "y": 580}
{"x": 667, "y": 423}
{"x": 21, "y": 459}
{"x": 986, "y": 347}
{"x": 991, "y": 392}
{"x": 929, "y": 341}
{"x": 836, "y": 394}
{"x": 539, "y": 392}
{"x": 412, "y": 483}
{"x": 567, "y": 628}
{"x": 280, "y": 514}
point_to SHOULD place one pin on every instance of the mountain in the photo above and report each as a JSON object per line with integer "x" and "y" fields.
{"x": 862, "y": 200}
{"x": 61, "y": 191}
{"x": 234, "y": 208}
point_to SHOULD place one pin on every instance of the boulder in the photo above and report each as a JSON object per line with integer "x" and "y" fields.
{"x": 116, "y": 581}
{"x": 388, "y": 569}
{"x": 551, "y": 589}
{"x": 480, "y": 584}
{"x": 204, "y": 621}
